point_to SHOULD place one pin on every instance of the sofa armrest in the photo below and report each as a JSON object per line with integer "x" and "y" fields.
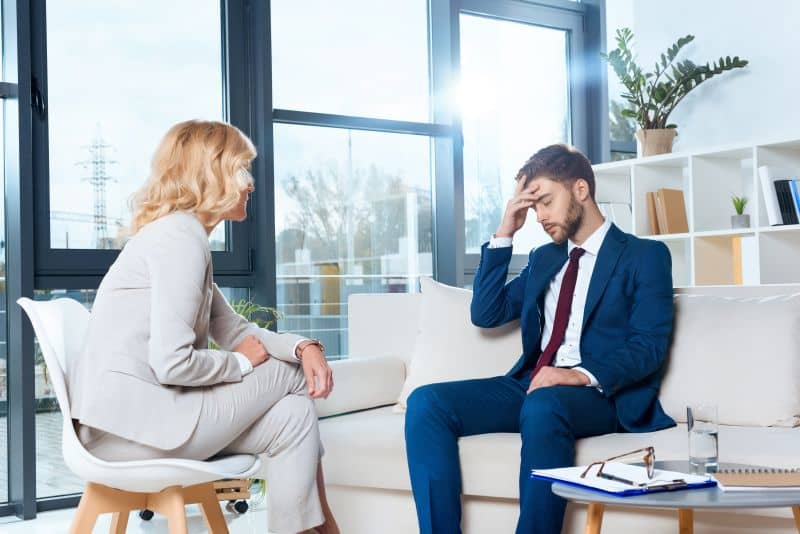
{"x": 362, "y": 383}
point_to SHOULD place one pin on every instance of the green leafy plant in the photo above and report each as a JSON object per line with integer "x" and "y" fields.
{"x": 263, "y": 316}
{"x": 653, "y": 96}
{"x": 738, "y": 204}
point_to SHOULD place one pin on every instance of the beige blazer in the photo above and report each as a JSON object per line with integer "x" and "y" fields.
{"x": 146, "y": 363}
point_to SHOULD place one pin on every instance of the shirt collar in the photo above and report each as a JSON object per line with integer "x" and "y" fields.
{"x": 594, "y": 241}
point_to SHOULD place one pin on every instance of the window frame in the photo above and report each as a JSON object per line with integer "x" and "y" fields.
{"x": 438, "y": 129}
{"x": 31, "y": 263}
{"x": 18, "y": 198}
{"x": 84, "y": 268}
{"x": 588, "y": 101}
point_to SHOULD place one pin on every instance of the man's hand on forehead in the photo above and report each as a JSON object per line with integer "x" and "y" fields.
{"x": 531, "y": 188}
{"x": 517, "y": 208}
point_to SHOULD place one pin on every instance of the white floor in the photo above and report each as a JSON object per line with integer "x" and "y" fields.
{"x": 254, "y": 521}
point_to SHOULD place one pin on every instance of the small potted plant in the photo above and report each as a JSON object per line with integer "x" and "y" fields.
{"x": 741, "y": 219}
{"x": 654, "y": 95}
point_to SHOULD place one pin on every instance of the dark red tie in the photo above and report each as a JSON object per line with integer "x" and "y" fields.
{"x": 563, "y": 309}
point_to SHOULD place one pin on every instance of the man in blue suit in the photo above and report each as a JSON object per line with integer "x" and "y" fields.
{"x": 596, "y": 315}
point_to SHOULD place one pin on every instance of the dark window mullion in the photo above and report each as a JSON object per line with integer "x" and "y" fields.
{"x": 236, "y": 106}
{"x": 448, "y": 186}
{"x": 19, "y": 260}
{"x": 305, "y": 118}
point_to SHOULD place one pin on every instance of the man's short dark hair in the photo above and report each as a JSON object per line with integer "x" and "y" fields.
{"x": 561, "y": 163}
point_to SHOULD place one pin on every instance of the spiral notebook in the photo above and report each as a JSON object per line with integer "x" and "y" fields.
{"x": 758, "y": 479}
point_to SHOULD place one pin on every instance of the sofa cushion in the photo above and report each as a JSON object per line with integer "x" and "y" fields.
{"x": 449, "y": 347}
{"x": 742, "y": 354}
{"x": 367, "y": 449}
{"x": 362, "y": 383}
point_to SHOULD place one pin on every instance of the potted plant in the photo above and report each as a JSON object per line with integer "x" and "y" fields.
{"x": 653, "y": 96}
{"x": 740, "y": 220}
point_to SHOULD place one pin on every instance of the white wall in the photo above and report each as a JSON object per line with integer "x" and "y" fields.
{"x": 751, "y": 105}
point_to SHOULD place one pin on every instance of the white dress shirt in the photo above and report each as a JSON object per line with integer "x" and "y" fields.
{"x": 247, "y": 367}
{"x": 569, "y": 354}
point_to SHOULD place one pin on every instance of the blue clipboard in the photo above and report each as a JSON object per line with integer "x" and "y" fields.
{"x": 611, "y": 485}
{"x": 633, "y": 490}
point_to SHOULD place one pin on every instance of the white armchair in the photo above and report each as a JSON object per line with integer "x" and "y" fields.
{"x": 164, "y": 486}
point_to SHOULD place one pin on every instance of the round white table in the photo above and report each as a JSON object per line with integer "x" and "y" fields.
{"x": 685, "y": 501}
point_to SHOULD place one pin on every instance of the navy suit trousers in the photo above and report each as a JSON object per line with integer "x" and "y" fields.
{"x": 549, "y": 421}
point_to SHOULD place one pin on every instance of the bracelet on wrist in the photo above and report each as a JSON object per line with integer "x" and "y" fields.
{"x": 305, "y": 344}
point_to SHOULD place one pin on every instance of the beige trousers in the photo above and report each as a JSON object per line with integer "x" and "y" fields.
{"x": 267, "y": 413}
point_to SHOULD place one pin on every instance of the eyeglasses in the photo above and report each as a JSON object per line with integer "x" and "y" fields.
{"x": 244, "y": 178}
{"x": 649, "y": 459}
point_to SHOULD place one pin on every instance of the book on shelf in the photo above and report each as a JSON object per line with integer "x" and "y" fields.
{"x": 671, "y": 211}
{"x": 652, "y": 217}
{"x": 745, "y": 260}
{"x": 736, "y": 256}
{"x": 794, "y": 186}
{"x": 786, "y": 201}
{"x": 758, "y": 479}
{"x": 661, "y": 220}
{"x": 775, "y": 202}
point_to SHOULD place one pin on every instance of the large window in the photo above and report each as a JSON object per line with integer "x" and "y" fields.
{"x": 353, "y": 190}
{"x": 514, "y": 99}
{"x": 365, "y": 58}
{"x": 353, "y": 214}
{"x": 522, "y": 85}
{"x": 119, "y": 75}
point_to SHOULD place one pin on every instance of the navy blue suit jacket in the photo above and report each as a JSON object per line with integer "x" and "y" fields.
{"x": 627, "y": 322}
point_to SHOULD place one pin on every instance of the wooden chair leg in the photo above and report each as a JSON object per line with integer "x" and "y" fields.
{"x": 87, "y": 511}
{"x": 796, "y": 513}
{"x": 98, "y": 499}
{"x": 212, "y": 514}
{"x": 594, "y": 518}
{"x": 119, "y": 523}
{"x": 685, "y": 521}
{"x": 169, "y": 502}
{"x": 206, "y": 496}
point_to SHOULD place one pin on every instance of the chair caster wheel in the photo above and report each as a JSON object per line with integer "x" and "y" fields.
{"x": 241, "y": 507}
{"x": 145, "y": 515}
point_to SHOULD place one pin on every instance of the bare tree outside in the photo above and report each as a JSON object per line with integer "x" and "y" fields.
{"x": 360, "y": 218}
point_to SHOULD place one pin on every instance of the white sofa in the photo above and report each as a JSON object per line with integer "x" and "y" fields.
{"x": 365, "y": 464}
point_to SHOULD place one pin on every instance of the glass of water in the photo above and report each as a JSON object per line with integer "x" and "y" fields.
{"x": 703, "y": 441}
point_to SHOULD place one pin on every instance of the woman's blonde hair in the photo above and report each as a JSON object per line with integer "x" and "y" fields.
{"x": 199, "y": 166}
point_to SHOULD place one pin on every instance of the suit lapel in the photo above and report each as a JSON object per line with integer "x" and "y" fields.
{"x": 546, "y": 268}
{"x": 607, "y": 258}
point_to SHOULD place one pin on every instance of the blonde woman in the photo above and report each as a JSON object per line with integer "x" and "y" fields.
{"x": 148, "y": 386}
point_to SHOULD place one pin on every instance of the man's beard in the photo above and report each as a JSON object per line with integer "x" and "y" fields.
{"x": 573, "y": 220}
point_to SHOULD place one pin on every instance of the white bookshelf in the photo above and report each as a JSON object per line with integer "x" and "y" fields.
{"x": 704, "y": 255}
